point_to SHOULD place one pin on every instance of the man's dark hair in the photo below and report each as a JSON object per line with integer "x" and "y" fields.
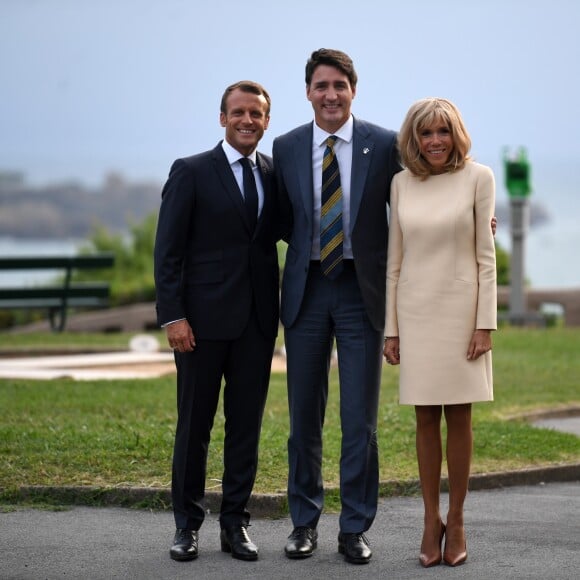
{"x": 246, "y": 87}
{"x": 331, "y": 57}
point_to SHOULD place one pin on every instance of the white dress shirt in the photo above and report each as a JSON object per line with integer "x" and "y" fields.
{"x": 234, "y": 156}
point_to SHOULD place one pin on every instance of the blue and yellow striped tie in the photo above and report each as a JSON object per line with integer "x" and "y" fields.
{"x": 331, "y": 236}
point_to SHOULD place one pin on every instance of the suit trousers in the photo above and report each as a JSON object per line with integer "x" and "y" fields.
{"x": 244, "y": 363}
{"x": 333, "y": 310}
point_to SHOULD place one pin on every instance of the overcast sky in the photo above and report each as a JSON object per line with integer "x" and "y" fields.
{"x": 88, "y": 86}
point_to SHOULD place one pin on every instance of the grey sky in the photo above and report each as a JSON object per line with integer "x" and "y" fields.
{"x": 89, "y": 86}
{"x": 131, "y": 84}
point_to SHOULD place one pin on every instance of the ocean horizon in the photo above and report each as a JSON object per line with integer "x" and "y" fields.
{"x": 551, "y": 253}
{"x": 551, "y": 249}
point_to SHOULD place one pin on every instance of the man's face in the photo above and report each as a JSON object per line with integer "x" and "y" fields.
{"x": 331, "y": 96}
{"x": 245, "y": 120}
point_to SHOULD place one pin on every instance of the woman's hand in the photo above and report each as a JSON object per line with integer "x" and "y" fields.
{"x": 391, "y": 350}
{"x": 480, "y": 343}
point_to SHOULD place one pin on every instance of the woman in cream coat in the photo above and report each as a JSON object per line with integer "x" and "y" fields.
{"x": 441, "y": 305}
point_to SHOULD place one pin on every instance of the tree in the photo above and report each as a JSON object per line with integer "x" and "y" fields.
{"x": 502, "y": 262}
{"x": 131, "y": 278}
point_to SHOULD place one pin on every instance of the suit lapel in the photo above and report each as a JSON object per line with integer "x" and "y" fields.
{"x": 362, "y": 153}
{"x": 303, "y": 157}
{"x": 265, "y": 170}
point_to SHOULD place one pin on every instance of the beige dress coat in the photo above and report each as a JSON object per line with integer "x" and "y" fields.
{"x": 441, "y": 283}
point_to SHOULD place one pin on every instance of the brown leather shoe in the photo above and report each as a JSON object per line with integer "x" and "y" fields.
{"x": 355, "y": 547}
{"x": 184, "y": 545}
{"x": 235, "y": 540}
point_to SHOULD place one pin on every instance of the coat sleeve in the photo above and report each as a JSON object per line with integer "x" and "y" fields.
{"x": 485, "y": 250}
{"x": 394, "y": 258}
{"x": 173, "y": 227}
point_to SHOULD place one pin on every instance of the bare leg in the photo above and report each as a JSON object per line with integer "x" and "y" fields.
{"x": 429, "y": 457}
{"x": 459, "y": 449}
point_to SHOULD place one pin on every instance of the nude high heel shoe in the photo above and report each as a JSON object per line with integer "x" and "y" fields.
{"x": 458, "y": 558}
{"x": 428, "y": 560}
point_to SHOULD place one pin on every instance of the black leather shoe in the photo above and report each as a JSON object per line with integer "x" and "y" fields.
{"x": 301, "y": 543}
{"x": 184, "y": 545}
{"x": 355, "y": 547}
{"x": 235, "y": 540}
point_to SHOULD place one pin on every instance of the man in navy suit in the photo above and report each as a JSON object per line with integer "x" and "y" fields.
{"x": 319, "y": 306}
{"x": 216, "y": 276}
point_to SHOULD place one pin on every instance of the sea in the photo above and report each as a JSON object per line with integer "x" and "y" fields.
{"x": 552, "y": 253}
{"x": 551, "y": 249}
{"x": 34, "y": 247}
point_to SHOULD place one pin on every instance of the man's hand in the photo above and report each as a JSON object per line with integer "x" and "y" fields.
{"x": 180, "y": 336}
{"x": 493, "y": 225}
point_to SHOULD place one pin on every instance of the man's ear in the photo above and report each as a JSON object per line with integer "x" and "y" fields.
{"x": 223, "y": 119}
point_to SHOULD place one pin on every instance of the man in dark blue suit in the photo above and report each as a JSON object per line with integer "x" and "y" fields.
{"x": 216, "y": 277}
{"x": 334, "y": 178}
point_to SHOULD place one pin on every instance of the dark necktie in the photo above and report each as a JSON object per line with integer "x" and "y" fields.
{"x": 250, "y": 192}
{"x": 331, "y": 236}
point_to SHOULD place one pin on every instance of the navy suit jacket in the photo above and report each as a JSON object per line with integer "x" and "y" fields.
{"x": 374, "y": 162}
{"x": 209, "y": 266}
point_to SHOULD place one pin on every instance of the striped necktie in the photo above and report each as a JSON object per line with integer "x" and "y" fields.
{"x": 331, "y": 235}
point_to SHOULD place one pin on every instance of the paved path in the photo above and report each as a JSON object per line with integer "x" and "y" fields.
{"x": 565, "y": 424}
{"x": 519, "y": 532}
{"x": 97, "y": 366}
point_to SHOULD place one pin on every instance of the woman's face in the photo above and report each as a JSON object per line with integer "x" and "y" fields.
{"x": 436, "y": 145}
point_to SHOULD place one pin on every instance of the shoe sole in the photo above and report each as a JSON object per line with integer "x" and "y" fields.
{"x": 350, "y": 560}
{"x": 183, "y": 558}
{"x": 301, "y": 555}
{"x": 245, "y": 557}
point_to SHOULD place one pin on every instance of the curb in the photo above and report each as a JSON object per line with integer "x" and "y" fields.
{"x": 267, "y": 505}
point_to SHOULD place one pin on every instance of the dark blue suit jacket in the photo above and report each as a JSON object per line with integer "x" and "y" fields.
{"x": 375, "y": 161}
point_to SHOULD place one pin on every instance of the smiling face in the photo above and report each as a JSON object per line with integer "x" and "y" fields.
{"x": 436, "y": 145}
{"x": 245, "y": 120}
{"x": 331, "y": 95}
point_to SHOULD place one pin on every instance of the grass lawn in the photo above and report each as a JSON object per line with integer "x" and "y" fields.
{"x": 114, "y": 433}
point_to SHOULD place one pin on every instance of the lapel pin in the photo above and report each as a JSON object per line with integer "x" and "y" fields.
{"x": 365, "y": 150}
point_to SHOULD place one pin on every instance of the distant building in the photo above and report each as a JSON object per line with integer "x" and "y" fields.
{"x": 12, "y": 179}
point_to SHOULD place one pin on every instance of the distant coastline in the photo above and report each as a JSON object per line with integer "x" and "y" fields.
{"x": 58, "y": 218}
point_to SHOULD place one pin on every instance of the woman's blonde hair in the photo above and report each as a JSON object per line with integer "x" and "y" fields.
{"x": 425, "y": 113}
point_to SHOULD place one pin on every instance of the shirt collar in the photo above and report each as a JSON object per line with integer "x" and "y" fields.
{"x": 233, "y": 155}
{"x": 344, "y": 133}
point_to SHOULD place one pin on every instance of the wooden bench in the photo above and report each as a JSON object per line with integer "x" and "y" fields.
{"x": 63, "y": 293}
